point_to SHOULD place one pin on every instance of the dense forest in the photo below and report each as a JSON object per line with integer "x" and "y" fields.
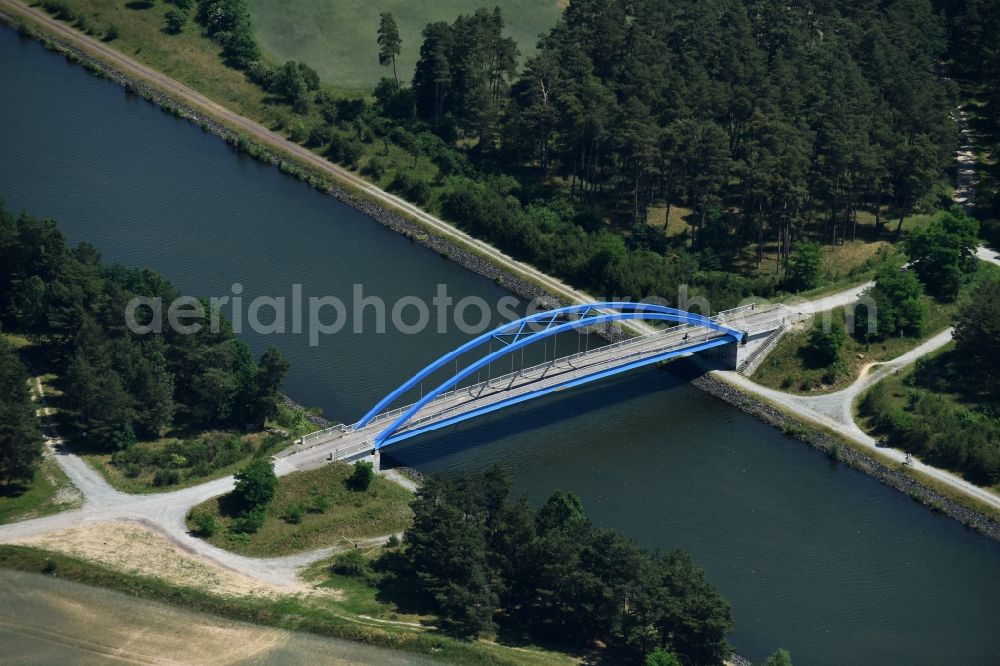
{"x": 120, "y": 386}
{"x": 769, "y": 123}
{"x": 480, "y": 559}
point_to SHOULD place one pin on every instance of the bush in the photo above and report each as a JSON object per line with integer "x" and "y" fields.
{"x": 205, "y": 524}
{"x": 319, "y": 135}
{"x": 376, "y": 167}
{"x": 176, "y": 20}
{"x": 834, "y": 371}
{"x": 411, "y": 186}
{"x": 166, "y": 477}
{"x": 256, "y": 484}
{"x": 251, "y": 521}
{"x": 362, "y": 476}
{"x": 804, "y": 267}
{"x": 298, "y": 132}
{"x": 825, "y": 346}
{"x": 351, "y": 563}
{"x": 294, "y": 515}
{"x": 344, "y": 149}
{"x": 320, "y": 505}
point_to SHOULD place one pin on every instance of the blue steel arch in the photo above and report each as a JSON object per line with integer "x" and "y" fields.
{"x": 518, "y": 334}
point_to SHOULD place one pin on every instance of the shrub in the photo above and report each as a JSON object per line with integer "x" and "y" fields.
{"x": 411, "y": 186}
{"x": 319, "y": 135}
{"x": 824, "y": 346}
{"x": 376, "y": 167}
{"x": 362, "y": 476}
{"x": 205, "y": 524}
{"x": 166, "y": 477}
{"x": 251, "y": 521}
{"x": 176, "y": 19}
{"x": 835, "y": 370}
{"x": 256, "y": 484}
{"x": 351, "y": 563}
{"x": 294, "y": 515}
{"x": 343, "y": 149}
{"x": 298, "y": 132}
{"x": 320, "y": 505}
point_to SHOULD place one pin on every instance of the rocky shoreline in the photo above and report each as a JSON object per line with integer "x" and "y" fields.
{"x": 819, "y": 440}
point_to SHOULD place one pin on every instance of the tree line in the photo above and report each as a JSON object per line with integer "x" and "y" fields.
{"x": 788, "y": 115}
{"x": 974, "y": 56}
{"x": 20, "y": 437}
{"x": 120, "y": 386}
{"x": 774, "y": 123}
{"x": 481, "y": 560}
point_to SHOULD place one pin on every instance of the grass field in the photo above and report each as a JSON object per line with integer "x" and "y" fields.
{"x": 322, "y": 615}
{"x": 328, "y": 512}
{"x": 787, "y": 367}
{"x": 337, "y": 37}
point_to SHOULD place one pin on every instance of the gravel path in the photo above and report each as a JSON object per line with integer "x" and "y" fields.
{"x": 165, "y": 513}
{"x": 835, "y": 411}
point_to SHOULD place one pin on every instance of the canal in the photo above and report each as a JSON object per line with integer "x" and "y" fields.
{"x": 815, "y": 557}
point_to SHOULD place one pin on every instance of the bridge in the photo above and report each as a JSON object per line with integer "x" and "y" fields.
{"x": 463, "y": 394}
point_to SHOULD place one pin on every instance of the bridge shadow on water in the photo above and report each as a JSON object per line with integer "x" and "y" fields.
{"x": 555, "y": 410}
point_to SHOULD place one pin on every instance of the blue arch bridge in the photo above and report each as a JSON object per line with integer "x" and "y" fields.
{"x": 451, "y": 389}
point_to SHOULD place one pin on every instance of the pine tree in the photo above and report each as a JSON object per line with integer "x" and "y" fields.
{"x": 20, "y": 439}
{"x": 389, "y": 43}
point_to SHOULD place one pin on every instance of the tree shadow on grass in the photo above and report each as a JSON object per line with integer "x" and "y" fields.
{"x": 13, "y": 489}
{"x": 139, "y": 4}
{"x": 230, "y": 505}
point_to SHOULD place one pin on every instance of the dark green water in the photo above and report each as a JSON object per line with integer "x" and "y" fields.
{"x": 815, "y": 557}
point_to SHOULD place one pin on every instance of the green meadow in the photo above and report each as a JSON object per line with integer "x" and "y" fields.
{"x": 337, "y": 37}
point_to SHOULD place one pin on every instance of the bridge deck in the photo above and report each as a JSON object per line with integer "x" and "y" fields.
{"x": 456, "y": 405}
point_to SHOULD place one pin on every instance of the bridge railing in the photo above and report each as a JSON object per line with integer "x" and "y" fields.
{"x": 506, "y": 378}
{"x": 363, "y": 446}
{"x": 509, "y": 378}
{"x": 533, "y": 386}
{"x": 316, "y": 434}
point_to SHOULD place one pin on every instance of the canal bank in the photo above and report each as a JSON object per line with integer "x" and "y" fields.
{"x": 841, "y": 449}
{"x": 470, "y": 253}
